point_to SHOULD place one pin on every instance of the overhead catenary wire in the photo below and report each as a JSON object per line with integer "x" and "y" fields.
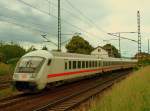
{"x": 90, "y": 21}
{"x": 34, "y": 7}
{"x": 15, "y": 19}
{"x": 87, "y": 18}
{"x": 29, "y": 28}
{"x": 67, "y": 11}
{"x": 86, "y": 32}
{"x": 25, "y": 27}
{"x": 122, "y": 37}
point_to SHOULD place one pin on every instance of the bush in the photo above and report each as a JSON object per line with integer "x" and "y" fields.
{"x": 10, "y": 51}
{"x": 5, "y": 69}
{"x": 144, "y": 62}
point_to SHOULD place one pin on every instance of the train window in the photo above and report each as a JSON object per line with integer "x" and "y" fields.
{"x": 49, "y": 62}
{"x": 69, "y": 64}
{"x": 110, "y": 63}
{"x": 65, "y": 65}
{"x": 90, "y": 64}
{"x": 104, "y": 63}
{"x": 99, "y": 63}
{"x": 83, "y": 64}
{"x": 29, "y": 65}
{"x": 79, "y": 64}
{"x": 87, "y": 65}
{"x": 95, "y": 63}
{"x": 74, "y": 64}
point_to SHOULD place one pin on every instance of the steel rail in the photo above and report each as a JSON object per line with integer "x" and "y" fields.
{"x": 66, "y": 103}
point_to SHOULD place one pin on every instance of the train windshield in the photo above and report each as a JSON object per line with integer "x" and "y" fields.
{"x": 29, "y": 65}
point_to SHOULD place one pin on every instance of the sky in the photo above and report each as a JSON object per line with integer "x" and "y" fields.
{"x": 24, "y": 21}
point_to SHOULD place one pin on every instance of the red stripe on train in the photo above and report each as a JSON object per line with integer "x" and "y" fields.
{"x": 71, "y": 73}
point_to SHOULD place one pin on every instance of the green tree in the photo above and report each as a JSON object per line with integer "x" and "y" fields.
{"x": 2, "y": 57}
{"x": 143, "y": 58}
{"x": 112, "y": 50}
{"x": 44, "y": 48}
{"x": 79, "y": 45}
{"x": 11, "y": 51}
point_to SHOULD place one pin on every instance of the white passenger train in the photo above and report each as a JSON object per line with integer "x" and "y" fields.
{"x": 38, "y": 68}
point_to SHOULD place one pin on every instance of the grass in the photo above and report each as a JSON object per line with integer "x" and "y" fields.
{"x": 132, "y": 94}
{"x": 4, "y": 69}
{"x": 7, "y": 92}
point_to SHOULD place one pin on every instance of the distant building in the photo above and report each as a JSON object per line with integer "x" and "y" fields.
{"x": 110, "y": 51}
{"x": 100, "y": 52}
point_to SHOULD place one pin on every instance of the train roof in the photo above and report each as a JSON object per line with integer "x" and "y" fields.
{"x": 71, "y": 55}
{"x": 40, "y": 53}
{"x": 54, "y": 54}
{"x": 84, "y": 56}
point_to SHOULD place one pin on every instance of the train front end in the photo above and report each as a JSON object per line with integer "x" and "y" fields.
{"x": 31, "y": 70}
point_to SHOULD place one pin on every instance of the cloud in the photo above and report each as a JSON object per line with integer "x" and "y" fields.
{"x": 109, "y": 15}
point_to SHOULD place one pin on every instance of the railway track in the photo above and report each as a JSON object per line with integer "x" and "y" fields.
{"x": 4, "y": 85}
{"x": 62, "y": 98}
{"x": 67, "y": 103}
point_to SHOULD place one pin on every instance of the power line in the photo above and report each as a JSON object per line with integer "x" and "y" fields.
{"x": 26, "y": 27}
{"x": 47, "y": 40}
{"x": 14, "y": 18}
{"x": 67, "y": 11}
{"x": 25, "y": 3}
{"x": 90, "y": 21}
{"x": 81, "y": 13}
{"x": 122, "y": 37}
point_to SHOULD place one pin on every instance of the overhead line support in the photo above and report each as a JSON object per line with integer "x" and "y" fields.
{"x": 59, "y": 27}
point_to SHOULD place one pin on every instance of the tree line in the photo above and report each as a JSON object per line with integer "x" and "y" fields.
{"x": 79, "y": 45}
{"x": 11, "y": 52}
